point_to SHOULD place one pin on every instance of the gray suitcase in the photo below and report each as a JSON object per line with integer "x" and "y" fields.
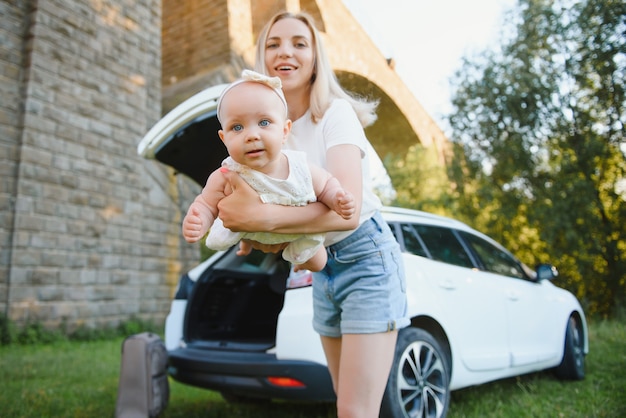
{"x": 144, "y": 388}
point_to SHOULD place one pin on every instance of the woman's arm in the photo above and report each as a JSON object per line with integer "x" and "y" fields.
{"x": 243, "y": 210}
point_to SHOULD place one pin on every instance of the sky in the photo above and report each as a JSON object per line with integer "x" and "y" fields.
{"x": 428, "y": 38}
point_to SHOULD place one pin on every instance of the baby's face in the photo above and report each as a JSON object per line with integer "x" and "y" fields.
{"x": 254, "y": 125}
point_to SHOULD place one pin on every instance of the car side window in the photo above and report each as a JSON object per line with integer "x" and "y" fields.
{"x": 444, "y": 246}
{"x": 494, "y": 259}
{"x": 411, "y": 241}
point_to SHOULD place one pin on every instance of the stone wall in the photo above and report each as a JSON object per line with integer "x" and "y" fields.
{"x": 13, "y": 28}
{"x": 196, "y": 38}
{"x": 87, "y": 238}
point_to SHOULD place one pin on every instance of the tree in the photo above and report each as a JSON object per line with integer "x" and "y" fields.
{"x": 541, "y": 126}
{"x": 420, "y": 180}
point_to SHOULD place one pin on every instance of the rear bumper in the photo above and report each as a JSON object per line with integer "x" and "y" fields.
{"x": 247, "y": 374}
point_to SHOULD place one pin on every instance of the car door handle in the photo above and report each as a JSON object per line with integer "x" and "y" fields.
{"x": 447, "y": 284}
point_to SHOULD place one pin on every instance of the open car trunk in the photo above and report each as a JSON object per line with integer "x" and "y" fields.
{"x": 235, "y": 303}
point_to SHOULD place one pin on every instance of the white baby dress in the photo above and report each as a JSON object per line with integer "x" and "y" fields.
{"x": 296, "y": 190}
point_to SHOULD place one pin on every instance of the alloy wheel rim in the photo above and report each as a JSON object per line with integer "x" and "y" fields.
{"x": 421, "y": 382}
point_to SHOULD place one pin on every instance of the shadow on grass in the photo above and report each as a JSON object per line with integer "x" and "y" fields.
{"x": 190, "y": 402}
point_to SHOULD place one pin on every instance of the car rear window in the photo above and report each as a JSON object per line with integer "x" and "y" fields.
{"x": 435, "y": 242}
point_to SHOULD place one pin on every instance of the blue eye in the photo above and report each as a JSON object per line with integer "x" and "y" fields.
{"x": 264, "y": 122}
{"x": 237, "y": 127}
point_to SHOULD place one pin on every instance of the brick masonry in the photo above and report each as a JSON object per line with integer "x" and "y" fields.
{"x": 90, "y": 232}
{"x": 86, "y": 236}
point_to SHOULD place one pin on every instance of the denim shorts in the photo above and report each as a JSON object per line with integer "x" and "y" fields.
{"x": 362, "y": 289}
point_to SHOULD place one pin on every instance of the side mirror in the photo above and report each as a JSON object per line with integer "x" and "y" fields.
{"x": 546, "y": 272}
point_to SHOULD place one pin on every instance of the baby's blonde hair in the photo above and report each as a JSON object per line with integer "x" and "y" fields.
{"x": 248, "y": 76}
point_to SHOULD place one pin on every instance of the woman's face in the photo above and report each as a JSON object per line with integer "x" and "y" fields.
{"x": 289, "y": 54}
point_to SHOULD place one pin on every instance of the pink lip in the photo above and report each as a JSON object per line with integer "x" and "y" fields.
{"x": 254, "y": 153}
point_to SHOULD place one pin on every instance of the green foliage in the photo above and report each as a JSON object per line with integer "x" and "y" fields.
{"x": 420, "y": 180}
{"x": 126, "y": 328}
{"x": 8, "y": 333}
{"x": 35, "y": 333}
{"x": 136, "y": 326}
{"x": 540, "y": 127}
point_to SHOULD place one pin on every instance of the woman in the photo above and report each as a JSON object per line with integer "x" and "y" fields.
{"x": 359, "y": 297}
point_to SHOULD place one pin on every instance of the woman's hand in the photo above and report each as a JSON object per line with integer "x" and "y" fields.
{"x": 242, "y": 210}
{"x": 246, "y": 246}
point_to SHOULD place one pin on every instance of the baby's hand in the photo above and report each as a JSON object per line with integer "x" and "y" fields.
{"x": 344, "y": 204}
{"x": 193, "y": 226}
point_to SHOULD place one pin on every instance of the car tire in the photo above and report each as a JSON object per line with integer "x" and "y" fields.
{"x": 419, "y": 381}
{"x": 572, "y": 366}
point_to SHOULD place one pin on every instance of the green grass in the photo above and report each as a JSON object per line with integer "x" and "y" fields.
{"x": 79, "y": 379}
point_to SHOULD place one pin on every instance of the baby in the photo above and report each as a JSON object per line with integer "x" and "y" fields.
{"x": 253, "y": 115}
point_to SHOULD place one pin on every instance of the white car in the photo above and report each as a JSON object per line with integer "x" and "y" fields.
{"x": 242, "y": 325}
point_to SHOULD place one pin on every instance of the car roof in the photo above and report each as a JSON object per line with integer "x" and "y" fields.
{"x": 397, "y": 214}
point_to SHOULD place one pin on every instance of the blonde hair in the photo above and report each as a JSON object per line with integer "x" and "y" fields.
{"x": 324, "y": 84}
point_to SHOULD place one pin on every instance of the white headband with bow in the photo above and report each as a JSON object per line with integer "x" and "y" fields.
{"x": 248, "y": 76}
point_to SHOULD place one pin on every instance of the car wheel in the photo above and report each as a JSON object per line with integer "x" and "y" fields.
{"x": 572, "y": 366}
{"x": 419, "y": 381}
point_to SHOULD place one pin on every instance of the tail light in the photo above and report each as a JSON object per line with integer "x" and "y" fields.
{"x": 302, "y": 278}
{"x": 285, "y": 382}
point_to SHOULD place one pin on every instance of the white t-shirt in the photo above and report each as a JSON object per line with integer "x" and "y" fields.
{"x": 339, "y": 125}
